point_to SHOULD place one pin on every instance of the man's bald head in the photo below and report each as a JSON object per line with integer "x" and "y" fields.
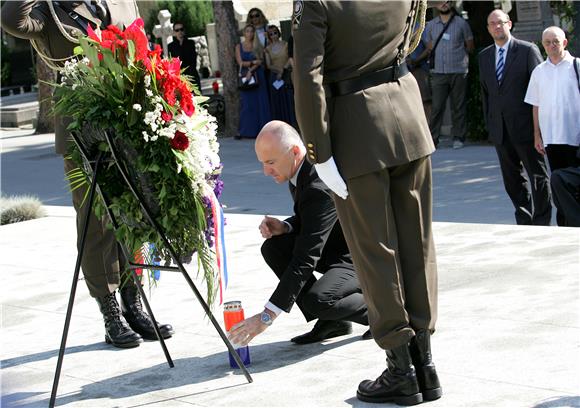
{"x": 498, "y": 13}
{"x": 499, "y": 26}
{"x": 554, "y": 42}
{"x": 554, "y": 31}
{"x": 279, "y": 133}
{"x": 280, "y": 150}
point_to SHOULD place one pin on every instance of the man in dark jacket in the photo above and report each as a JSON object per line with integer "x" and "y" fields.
{"x": 505, "y": 68}
{"x": 311, "y": 240}
{"x": 184, "y": 49}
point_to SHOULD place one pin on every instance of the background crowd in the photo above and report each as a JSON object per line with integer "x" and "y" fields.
{"x": 530, "y": 114}
{"x": 265, "y": 66}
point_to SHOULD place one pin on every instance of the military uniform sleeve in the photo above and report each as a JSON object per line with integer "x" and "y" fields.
{"x": 309, "y": 32}
{"x": 24, "y": 19}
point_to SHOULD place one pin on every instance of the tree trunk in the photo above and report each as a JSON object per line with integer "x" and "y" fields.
{"x": 45, "y": 76}
{"x": 226, "y": 28}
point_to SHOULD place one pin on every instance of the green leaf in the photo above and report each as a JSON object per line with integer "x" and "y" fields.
{"x": 131, "y": 49}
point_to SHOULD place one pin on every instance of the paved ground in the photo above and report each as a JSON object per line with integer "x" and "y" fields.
{"x": 509, "y": 306}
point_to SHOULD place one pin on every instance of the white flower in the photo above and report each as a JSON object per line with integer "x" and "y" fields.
{"x": 147, "y": 81}
{"x": 145, "y": 136}
{"x": 178, "y": 168}
{"x": 137, "y": 107}
{"x": 149, "y": 92}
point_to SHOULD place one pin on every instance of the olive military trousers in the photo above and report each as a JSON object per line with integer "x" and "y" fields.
{"x": 386, "y": 221}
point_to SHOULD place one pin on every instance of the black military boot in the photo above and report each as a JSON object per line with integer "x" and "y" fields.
{"x": 117, "y": 331}
{"x": 398, "y": 383}
{"x": 136, "y": 316}
{"x": 420, "y": 348}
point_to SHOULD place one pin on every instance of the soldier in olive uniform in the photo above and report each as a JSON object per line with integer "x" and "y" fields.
{"x": 362, "y": 122}
{"x": 53, "y": 27}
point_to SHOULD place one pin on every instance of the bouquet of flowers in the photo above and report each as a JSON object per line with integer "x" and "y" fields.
{"x": 116, "y": 84}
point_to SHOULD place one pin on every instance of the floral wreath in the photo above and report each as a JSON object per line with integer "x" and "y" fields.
{"x": 117, "y": 84}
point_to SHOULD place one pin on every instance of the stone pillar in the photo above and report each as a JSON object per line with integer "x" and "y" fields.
{"x": 532, "y": 18}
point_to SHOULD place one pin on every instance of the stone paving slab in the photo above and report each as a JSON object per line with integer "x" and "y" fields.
{"x": 508, "y": 333}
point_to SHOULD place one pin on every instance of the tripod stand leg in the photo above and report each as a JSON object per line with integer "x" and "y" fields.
{"x": 209, "y": 314}
{"x": 150, "y": 312}
{"x": 73, "y": 289}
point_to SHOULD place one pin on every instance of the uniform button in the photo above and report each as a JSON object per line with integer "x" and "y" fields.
{"x": 310, "y": 145}
{"x": 312, "y": 157}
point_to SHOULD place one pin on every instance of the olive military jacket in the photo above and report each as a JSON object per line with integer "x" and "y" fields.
{"x": 33, "y": 20}
{"x": 369, "y": 130}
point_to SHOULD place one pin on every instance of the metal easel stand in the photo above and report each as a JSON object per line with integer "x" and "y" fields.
{"x": 95, "y": 167}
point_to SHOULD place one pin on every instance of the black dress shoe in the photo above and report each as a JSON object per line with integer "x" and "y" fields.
{"x": 117, "y": 331}
{"x": 367, "y": 335}
{"x": 322, "y": 330}
{"x": 140, "y": 321}
{"x": 398, "y": 383}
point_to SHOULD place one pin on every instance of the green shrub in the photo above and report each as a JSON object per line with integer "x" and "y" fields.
{"x": 20, "y": 208}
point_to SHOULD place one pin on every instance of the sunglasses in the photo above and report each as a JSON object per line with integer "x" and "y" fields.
{"x": 178, "y": 29}
{"x": 254, "y": 16}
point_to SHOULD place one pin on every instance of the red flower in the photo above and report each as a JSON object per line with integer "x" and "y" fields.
{"x": 186, "y": 100}
{"x": 136, "y": 34}
{"x": 166, "y": 116}
{"x": 179, "y": 141}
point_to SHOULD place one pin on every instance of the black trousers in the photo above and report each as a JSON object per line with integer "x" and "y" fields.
{"x": 513, "y": 158}
{"x": 566, "y": 193}
{"x": 335, "y": 296}
{"x": 560, "y": 157}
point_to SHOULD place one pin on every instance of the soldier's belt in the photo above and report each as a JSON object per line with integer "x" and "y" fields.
{"x": 349, "y": 86}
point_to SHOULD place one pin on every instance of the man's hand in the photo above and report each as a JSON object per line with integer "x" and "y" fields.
{"x": 328, "y": 173}
{"x": 243, "y": 332}
{"x": 270, "y": 227}
{"x": 538, "y": 143}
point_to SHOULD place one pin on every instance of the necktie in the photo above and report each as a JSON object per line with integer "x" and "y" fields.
{"x": 499, "y": 66}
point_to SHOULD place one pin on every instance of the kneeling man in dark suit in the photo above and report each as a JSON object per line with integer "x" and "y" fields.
{"x": 311, "y": 240}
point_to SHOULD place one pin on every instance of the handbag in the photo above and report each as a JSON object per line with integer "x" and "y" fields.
{"x": 247, "y": 84}
{"x": 431, "y": 58}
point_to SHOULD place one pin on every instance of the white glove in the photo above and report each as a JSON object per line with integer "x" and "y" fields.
{"x": 329, "y": 174}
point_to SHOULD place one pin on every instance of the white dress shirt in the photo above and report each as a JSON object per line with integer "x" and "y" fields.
{"x": 554, "y": 90}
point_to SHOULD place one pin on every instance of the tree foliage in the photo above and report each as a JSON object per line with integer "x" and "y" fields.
{"x": 194, "y": 14}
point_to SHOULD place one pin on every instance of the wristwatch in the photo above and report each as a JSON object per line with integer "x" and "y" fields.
{"x": 266, "y": 319}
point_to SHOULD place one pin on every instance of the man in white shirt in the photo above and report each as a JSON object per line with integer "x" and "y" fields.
{"x": 311, "y": 240}
{"x": 555, "y": 96}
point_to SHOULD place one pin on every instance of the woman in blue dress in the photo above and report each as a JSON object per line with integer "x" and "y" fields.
{"x": 255, "y": 104}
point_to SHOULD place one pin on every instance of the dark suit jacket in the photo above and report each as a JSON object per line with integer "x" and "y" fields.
{"x": 319, "y": 243}
{"x": 32, "y": 20}
{"x": 504, "y": 103}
